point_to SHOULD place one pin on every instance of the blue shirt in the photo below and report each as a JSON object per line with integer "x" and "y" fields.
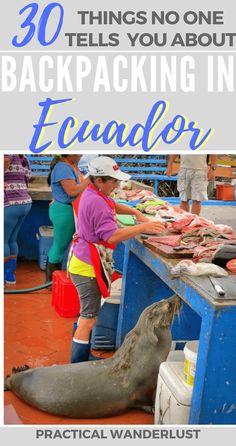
{"x": 62, "y": 171}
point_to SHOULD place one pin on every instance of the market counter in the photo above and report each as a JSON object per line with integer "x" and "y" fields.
{"x": 39, "y": 190}
{"x": 147, "y": 279}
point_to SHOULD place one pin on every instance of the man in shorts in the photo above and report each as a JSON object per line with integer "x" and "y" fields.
{"x": 194, "y": 174}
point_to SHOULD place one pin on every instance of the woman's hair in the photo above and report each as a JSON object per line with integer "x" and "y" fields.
{"x": 104, "y": 179}
{"x": 54, "y": 162}
{"x": 24, "y": 161}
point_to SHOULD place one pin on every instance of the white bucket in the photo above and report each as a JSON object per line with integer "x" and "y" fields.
{"x": 190, "y": 353}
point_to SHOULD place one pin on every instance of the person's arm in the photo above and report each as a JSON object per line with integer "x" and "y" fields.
{"x": 27, "y": 171}
{"x": 213, "y": 159}
{"x": 7, "y": 162}
{"x": 122, "y": 234}
{"x": 72, "y": 188}
{"x": 171, "y": 161}
{"x": 123, "y": 209}
{"x": 212, "y": 167}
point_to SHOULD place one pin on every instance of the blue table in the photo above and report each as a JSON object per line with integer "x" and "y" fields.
{"x": 146, "y": 279}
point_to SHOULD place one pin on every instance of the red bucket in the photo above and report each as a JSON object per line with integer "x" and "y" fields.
{"x": 224, "y": 192}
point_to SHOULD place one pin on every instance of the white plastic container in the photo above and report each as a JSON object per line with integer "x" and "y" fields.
{"x": 173, "y": 396}
{"x": 176, "y": 355}
{"x": 190, "y": 353}
{"x": 115, "y": 292}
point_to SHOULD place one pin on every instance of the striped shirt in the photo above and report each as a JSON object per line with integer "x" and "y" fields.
{"x": 16, "y": 179}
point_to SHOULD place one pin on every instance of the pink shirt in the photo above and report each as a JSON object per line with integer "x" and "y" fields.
{"x": 95, "y": 223}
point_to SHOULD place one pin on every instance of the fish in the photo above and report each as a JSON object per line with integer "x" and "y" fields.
{"x": 189, "y": 268}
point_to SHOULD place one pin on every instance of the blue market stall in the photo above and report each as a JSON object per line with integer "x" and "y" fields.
{"x": 147, "y": 279}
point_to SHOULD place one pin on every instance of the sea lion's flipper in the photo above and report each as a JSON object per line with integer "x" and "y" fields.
{"x": 148, "y": 409}
{"x": 7, "y": 383}
{"x": 7, "y": 379}
{"x": 21, "y": 368}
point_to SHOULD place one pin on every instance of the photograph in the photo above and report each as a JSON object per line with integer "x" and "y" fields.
{"x": 119, "y": 282}
{"x": 118, "y": 164}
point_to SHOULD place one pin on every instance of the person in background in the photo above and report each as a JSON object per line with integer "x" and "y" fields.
{"x": 17, "y": 204}
{"x": 67, "y": 184}
{"x": 194, "y": 174}
{"x": 91, "y": 263}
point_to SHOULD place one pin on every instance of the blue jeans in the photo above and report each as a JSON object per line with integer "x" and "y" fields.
{"x": 14, "y": 216}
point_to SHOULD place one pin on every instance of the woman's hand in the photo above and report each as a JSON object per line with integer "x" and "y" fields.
{"x": 140, "y": 217}
{"x": 122, "y": 234}
{"x": 154, "y": 227}
{"x": 7, "y": 162}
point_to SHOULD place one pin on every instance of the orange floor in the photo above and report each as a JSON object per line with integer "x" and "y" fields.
{"x": 36, "y": 335}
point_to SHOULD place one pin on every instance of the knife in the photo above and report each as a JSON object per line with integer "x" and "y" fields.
{"x": 220, "y": 291}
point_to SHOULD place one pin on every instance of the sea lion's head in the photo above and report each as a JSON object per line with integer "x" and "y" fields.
{"x": 152, "y": 328}
{"x": 168, "y": 309}
{"x": 159, "y": 316}
{"x": 162, "y": 313}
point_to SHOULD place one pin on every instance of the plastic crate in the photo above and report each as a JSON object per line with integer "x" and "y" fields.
{"x": 65, "y": 298}
{"x": 45, "y": 238}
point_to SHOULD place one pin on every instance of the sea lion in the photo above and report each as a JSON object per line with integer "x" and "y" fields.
{"x": 106, "y": 387}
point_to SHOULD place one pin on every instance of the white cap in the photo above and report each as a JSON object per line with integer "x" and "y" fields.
{"x": 103, "y": 166}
